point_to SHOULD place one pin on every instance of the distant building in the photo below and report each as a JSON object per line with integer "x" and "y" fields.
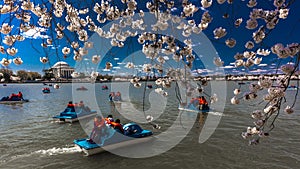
{"x": 61, "y": 69}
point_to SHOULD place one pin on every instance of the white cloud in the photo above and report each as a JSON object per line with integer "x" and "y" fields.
{"x": 196, "y": 44}
{"x": 258, "y": 70}
{"x": 35, "y": 33}
{"x": 166, "y": 58}
{"x": 173, "y": 9}
{"x": 228, "y": 67}
{"x": 199, "y": 71}
{"x": 203, "y": 9}
{"x": 262, "y": 65}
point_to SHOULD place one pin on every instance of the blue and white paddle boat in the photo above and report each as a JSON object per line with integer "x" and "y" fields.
{"x": 133, "y": 134}
{"x": 292, "y": 87}
{"x": 72, "y": 115}
{"x": 46, "y": 90}
{"x": 104, "y": 87}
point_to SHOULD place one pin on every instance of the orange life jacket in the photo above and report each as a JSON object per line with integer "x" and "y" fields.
{"x": 108, "y": 121}
{"x": 201, "y": 101}
{"x": 71, "y": 105}
{"x": 117, "y": 126}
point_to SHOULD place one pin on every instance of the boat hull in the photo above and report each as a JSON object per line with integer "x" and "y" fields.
{"x": 71, "y": 119}
{"x": 90, "y": 149}
{"x": 46, "y": 91}
{"x": 14, "y": 102}
{"x": 193, "y": 109}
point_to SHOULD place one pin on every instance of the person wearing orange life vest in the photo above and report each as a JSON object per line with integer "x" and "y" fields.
{"x": 203, "y": 103}
{"x": 117, "y": 125}
{"x": 204, "y": 100}
{"x": 71, "y": 106}
{"x": 12, "y": 96}
{"x": 20, "y": 95}
{"x": 109, "y": 119}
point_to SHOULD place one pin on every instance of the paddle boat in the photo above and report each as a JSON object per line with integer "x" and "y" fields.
{"x": 14, "y": 101}
{"x": 82, "y": 88}
{"x": 194, "y": 108}
{"x": 149, "y": 86}
{"x": 104, "y": 87}
{"x": 74, "y": 114}
{"x": 292, "y": 87}
{"x": 46, "y": 90}
{"x": 116, "y": 98}
{"x": 133, "y": 134}
{"x": 198, "y": 105}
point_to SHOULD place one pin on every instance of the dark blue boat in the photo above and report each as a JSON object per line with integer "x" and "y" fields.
{"x": 133, "y": 134}
{"x": 14, "y": 101}
{"x": 72, "y": 115}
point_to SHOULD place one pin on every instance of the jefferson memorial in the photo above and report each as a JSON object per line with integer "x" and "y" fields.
{"x": 62, "y": 69}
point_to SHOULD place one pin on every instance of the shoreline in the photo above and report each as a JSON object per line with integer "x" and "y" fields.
{"x": 240, "y": 78}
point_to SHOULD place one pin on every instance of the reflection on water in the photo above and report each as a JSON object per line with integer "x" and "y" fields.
{"x": 29, "y": 138}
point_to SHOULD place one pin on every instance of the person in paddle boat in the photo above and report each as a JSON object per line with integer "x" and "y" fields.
{"x": 82, "y": 106}
{"x": 199, "y": 103}
{"x": 97, "y": 132}
{"x": 15, "y": 97}
{"x": 118, "y": 97}
{"x": 20, "y": 95}
{"x": 100, "y": 132}
{"x": 111, "y": 96}
{"x": 70, "y": 106}
{"x": 109, "y": 119}
{"x": 117, "y": 126}
{"x": 203, "y": 103}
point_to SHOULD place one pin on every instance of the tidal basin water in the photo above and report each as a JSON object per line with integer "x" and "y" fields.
{"x": 31, "y": 139}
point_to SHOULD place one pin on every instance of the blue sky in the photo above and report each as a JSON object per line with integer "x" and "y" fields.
{"x": 285, "y": 32}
